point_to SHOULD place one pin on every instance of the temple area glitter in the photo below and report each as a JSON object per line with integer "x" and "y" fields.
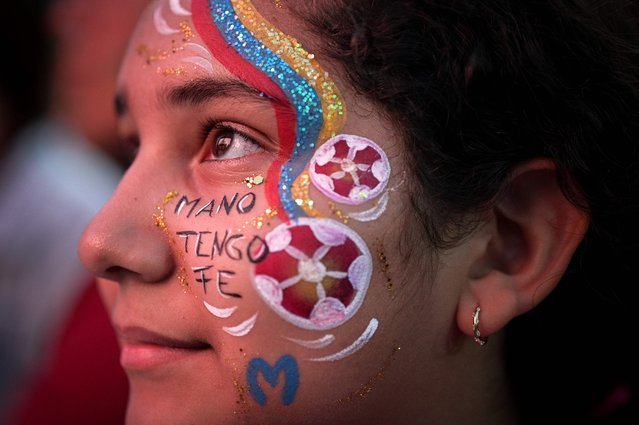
{"x": 366, "y": 388}
{"x": 178, "y": 70}
{"x": 384, "y": 266}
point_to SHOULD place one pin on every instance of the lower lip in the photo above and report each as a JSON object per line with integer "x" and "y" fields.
{"x": 147, "y": 356}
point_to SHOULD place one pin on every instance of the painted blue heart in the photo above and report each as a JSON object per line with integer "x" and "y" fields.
{"x": 285, "y": 364}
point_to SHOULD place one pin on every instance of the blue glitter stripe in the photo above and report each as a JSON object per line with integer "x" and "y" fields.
{"x": 301, "y": 95}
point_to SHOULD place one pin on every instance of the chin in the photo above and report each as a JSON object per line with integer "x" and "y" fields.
{"x": 170, "y": 402}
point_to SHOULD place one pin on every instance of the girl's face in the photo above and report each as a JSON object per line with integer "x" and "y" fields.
{"x": 249, "y": 257}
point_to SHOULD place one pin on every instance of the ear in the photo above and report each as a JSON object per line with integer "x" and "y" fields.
{"x": 531, "y": 234}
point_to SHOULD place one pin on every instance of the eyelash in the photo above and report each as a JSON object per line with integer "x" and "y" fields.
{"x": 212, "y": 125}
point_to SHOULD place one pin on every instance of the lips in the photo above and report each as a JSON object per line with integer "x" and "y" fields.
{"x": 143, "y": 349}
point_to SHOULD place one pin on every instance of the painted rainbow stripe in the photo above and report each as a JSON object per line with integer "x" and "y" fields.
{"x": 303, "y": 62}
{"x": 302, "y": 96}
{"x": 293, "y": 71}
{"x": 202, "y": 11}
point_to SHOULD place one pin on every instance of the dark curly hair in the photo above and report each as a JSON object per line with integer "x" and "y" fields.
{"x": 480, "y": 86}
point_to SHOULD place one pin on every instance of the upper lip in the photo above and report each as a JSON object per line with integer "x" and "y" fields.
{"x": 140, "y": 335}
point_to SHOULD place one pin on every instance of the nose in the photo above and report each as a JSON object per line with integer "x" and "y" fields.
{"x": 123, "y": 241}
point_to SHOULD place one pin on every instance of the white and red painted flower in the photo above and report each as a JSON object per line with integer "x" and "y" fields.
{"x": 350, "y": 169}
{"x": 316, "y": 273}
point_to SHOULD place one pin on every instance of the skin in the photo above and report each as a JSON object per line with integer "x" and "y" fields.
{"x": 438, "y": 375}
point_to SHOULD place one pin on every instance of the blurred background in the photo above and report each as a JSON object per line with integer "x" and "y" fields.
{"x": 60, "y": 159}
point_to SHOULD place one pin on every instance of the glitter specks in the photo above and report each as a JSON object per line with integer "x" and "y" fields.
{"x": 253, "y": 181}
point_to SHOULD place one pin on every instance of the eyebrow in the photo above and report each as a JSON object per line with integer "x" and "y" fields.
{"x": 202, "y": 90}
{"x": 199, "y": 91}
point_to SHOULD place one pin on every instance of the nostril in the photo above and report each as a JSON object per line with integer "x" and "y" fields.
{"x": 122, "y": 274}
{"x": 122, "y": 244}
{"x": 115, "y": 272}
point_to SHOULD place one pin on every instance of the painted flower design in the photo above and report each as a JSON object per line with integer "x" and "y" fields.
{"x": 316, "y": 273}
{"x": 350, "y": 169}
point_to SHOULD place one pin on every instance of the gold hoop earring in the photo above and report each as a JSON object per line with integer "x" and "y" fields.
{"x": 478, "y": 339}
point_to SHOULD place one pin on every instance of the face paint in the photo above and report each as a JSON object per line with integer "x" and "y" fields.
{"x": 253, "y": 181}
{"x": 229, "y": 205}
{"x": 317, "y": 271}
{"x": 259, "y": 221}
{"x": 177, "y": 9}
{"x": 316, "y": 274}
{"x": 160, "y": 23}
{"x": 310, "y": 294}
{"x": 350, "y": 169}
{"x": 303, "y": 62}
{"x": 314, "y": 344}
{"x": 243, "y": 328}
{"x": 222, "y": 313}
{"x": 328, "y": 267}
{"x": 375, "y": 212}
{"x": 285, "y": 366}
{"x": 256, "y": 40}
{"x": 355, "y": 346}
{"x": 219, "y": 27}
{"x": 301, "y": 195}
{"x": 202, "y": 57}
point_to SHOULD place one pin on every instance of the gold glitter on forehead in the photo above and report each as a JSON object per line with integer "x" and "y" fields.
{"x": 150, "y": 55}
{"x": 178, "y": 70}
{"x": 301, "y": 61}
{"x": 186, "y": 30}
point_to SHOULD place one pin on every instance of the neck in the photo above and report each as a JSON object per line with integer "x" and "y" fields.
{"x": 466, "y": 386}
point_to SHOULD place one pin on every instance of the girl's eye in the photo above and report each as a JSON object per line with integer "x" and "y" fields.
{"x": 227, "y": 143}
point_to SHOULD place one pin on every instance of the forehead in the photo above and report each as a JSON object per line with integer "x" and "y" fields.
{"x": 167, "y": 42}
{"x": 176, "y": 42}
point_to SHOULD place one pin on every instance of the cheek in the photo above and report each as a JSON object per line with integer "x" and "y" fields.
{"x": 278, "y": 295}
{"x": 316, "y": 274}
{"x": 218, "y": 239}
